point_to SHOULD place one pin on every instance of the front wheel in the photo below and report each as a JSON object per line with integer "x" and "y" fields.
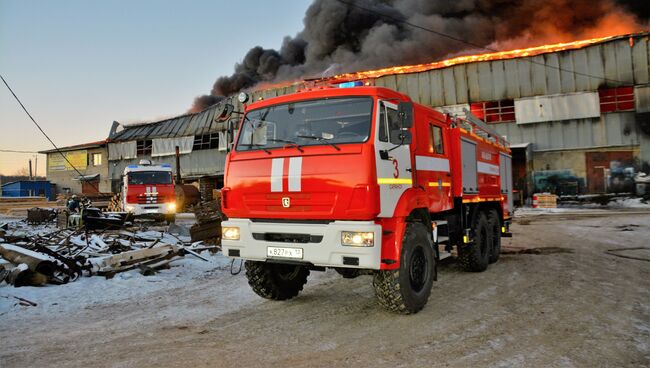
{"x": 274, "y": 280}
{"x": 407, "y": 289}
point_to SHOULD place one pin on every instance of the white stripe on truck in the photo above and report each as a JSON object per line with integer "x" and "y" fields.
{"x": 427, "y": 163}
{"x": 277, "y": 168}
{"x": 295, "y": 174}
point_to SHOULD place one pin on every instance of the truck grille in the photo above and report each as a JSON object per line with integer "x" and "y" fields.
{"x": 149, "y": 199}
{"x": 288, "y": 238}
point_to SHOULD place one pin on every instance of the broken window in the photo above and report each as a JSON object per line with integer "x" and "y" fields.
{"x": 206, "y": 141}
{"x": 143, "y": 147}
{"x": 97, "y": 159}
{"x": 616, "y": 99}
{"x": 500, "y": 111}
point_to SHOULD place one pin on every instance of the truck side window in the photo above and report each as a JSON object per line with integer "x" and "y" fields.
{"x": 383, "y": 130}
{"x": 437, "y": 144}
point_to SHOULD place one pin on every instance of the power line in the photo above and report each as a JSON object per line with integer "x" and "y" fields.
{"x": 402, "y": 21}
{"x": 16, "y": 151}
{"x": 81, "y": 176}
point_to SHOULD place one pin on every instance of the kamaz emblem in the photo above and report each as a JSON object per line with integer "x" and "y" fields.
{"x": 286, "y": 202}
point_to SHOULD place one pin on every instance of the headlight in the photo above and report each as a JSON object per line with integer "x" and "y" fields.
{"x": 129, "y": 208}
{"x": 171, "y": 206}
{"x": 230, "y": 233}
{"x": 357, "y": 239}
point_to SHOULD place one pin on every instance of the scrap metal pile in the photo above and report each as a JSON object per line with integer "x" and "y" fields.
{"x": 40, "y": 254}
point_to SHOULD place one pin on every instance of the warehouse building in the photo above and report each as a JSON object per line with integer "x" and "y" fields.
{"x": 577, "y": 114}
{"x": 79, "y": 169}
{"x": 200, "y": 138}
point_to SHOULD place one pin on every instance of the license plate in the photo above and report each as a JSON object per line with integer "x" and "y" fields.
{"x": 284, "y": 252}
{"x": 151, "y": 211}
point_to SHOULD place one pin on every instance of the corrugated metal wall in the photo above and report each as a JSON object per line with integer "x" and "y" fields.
{"x": 610, "y": 64}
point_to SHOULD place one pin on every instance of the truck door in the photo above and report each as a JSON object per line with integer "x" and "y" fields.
{"x": 394, "y": 174}
{"x": 433, "y": 167}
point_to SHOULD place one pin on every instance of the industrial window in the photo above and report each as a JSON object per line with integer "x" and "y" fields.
{"x": 206, "y": 141}
{"x": 97, "y": 159}
{"x": 437, "y": 145}
{"x": 616, "y": 99}
{"x": 143, "y": 147}
{"x": 494, "y": 111}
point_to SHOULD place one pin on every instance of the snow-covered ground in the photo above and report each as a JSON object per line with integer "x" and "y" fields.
{"x": 99, "y": 290}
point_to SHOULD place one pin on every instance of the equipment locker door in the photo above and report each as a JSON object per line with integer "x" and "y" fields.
{"x": 393, "y": 173}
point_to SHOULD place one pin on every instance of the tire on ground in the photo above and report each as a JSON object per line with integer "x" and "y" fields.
{"x": 407, "y": 289}
{"x": 494, "y": 226}
{"x": 474, "y": 257}
{"x": 276, "y": 281}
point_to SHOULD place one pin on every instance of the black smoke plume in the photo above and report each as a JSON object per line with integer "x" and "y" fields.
{"x": 340, "y": 36}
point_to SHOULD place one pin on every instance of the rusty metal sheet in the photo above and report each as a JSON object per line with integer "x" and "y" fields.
{"x": 460, "y": 75}
{"x": 437, "y": 95}
{"x": 538, "y": 74}
{"x": 567, "y": 77}
{"x": 624, "y": 61}
{"x": 611, "y": 69}
{"x": 449, "y": 85}
{"x": 485, "y": 82}
{"x": 553, "y": 83}
{"x": 424, "y": 84}
{"x": 580, "y": 65}
{"x": 499, "y": 81}
{"x": 523, "y": 78}
{"x": 413, "y": 87}
{"x": 472, "y": 82}
{"x": 595, "y": 66}
{"x": 640, "y": 61}
{"x": 512, "y": 78}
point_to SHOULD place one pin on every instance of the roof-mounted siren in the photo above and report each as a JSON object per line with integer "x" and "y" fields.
{"x": 351, "y": 84}
{"x": 146, "y": 162}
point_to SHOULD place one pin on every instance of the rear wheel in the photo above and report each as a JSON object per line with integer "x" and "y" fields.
{"x": 494, "y": 226}
{"x": 474, "y": 257}
{"x": 276, "y": 281}
{"x": 407, "y": 289}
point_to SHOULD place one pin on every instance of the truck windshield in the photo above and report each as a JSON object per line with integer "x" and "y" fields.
{"x": 307, "y": 123}
{"x": 150, "y": 177}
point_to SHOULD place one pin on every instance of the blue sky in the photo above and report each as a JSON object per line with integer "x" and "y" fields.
{"x": 79, "y": 65}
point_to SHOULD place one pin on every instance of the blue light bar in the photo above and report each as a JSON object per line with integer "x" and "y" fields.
{"x": 351, "y": 84}
{"x": 166, "y": 165}
{"x": 132, "y": 166}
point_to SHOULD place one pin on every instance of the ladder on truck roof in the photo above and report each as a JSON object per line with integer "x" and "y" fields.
{"x": 477, "y": 126}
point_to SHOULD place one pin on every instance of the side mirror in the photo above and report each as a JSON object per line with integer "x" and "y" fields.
{"x": 223, "y": 112}
{"x": 399, "y": 137}
{"x": 405, "y": 112}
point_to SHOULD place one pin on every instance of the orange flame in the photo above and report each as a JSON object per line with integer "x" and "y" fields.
{"x": 501, "y": 55}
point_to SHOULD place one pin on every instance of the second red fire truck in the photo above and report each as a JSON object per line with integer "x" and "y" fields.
{"x": 362, "y": 180}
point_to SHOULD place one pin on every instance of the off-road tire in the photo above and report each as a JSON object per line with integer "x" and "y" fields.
{"x": 348, "y": 273}
{"x": 276, "y": 281}
{"x": 407, "y": 289}
{"x": 474, "y": 257}
{"x": 494, "y": 226}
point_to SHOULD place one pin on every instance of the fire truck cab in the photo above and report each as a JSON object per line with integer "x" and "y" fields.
{"x": 362, "y": 180}
{"x": 148, "y": 190}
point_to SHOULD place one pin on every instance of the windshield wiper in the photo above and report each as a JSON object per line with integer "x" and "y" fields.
{"x": 258, "y": 146}
{"x": 320, "y": 139}
{"x": 292, "y": 143}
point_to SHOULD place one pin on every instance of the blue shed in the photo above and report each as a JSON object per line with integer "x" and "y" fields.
{"x": 27, "y": 188}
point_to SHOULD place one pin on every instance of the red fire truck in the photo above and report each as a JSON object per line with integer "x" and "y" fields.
{"x": 148, "y": 191}
{"x": 365, "y": 181}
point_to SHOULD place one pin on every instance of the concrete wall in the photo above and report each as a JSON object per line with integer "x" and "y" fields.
{"x": 65, "y": 178}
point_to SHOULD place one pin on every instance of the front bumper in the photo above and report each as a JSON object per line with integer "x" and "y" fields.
{"x": 149, "y": 209}
{"x": 328, "y": 252}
